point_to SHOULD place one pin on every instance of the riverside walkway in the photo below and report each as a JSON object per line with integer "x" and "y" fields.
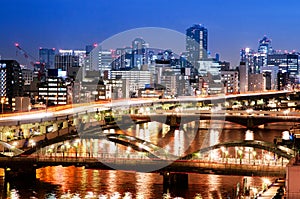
{"x": 271, "y": 192}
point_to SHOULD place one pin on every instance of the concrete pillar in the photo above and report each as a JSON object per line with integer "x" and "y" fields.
{"x": 174, "y": 121}
{"x": 88, "y": 118}
{"x": 26, "y": 132}
{"x": 65, "y": 124}
{"x": 75, "y": 121}
{"x": 2, "y": 133}
{"x": 101, "y": 116}
{"x": 43, "y": 129}
{"x": 250, "y": 123}
{"x": 55, "y": 126}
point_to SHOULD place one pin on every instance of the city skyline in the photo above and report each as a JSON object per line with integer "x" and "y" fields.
{"x": 74, "y": 24}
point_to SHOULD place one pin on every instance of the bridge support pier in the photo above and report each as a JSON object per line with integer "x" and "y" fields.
{"x": 175, "y": 180}
{"x": 20, "y": 173}
{"x": 250, "y": 123}
{"x": 173, "y": 121}
{"x": 43, "y": 129}
{"x": 55, "y": 126}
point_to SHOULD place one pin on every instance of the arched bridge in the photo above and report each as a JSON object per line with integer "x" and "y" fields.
{"x": 277, "y": 149}
{"x": 244, "y": 120}
{"x": 137, "y": 144}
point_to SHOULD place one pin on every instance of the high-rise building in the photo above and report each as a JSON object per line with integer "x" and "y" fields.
{"x": 64, "y": 60}
{"x": 70, "y": 61}
{"x": 89, "y": 48}
{"x": 230, "y": 78}
{"x": 139, "y": 52}
{"x": 256, "y": 60}
{"x": 243, "y": 77}
{"x": 265, "y": 46}
{"x": 47, "y": 56}
{"x": 286, "y": 63}
{"x": 11, "y": 84}
{"x": 99, "y": 60}
{"x": 264, "y": 49}
{"x": 122, "y": 58}
{"x": 55, "y": 91}
{"x": 273, "y": 71}
{"x": 257, "y": 82}
{"x": 196, "y": 43}
{"x": 136, "y": 79}
{"x": 248, "y": 57}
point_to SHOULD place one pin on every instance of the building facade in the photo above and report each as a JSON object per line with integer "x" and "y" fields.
{"x": 286, "y": 63}
{"x": 230, "y": 79}
{"x": 55, "y": 91}
{"x": 196, "y": 43}
{"x": 47, "y": 56}
{"x": 11, "y": 84}
{"x": 136, "y": 79}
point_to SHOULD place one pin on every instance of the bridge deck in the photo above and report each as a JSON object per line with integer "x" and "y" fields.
{"x": 148, "y": 165}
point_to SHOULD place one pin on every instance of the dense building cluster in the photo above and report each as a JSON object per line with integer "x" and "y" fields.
{"x": 60, "y": 77}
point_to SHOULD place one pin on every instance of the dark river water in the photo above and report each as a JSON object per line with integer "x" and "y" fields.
{"x": 78, "y": 182}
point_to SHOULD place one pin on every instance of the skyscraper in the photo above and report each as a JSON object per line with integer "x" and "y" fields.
{"x": 139, "y": 52}
{"x": 265, "y": 46}
{"x": 196, "y": 43}
{"x": 248, "y": 57}
{"x": 47, "y": 56}
{"x": 264, "y": 49}
{"x": 70, "y": 61}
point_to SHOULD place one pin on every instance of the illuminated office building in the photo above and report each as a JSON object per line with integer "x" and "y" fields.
{"x": 11, "y": 84}
{"x": 55, "y": 91}
{"x": 286, "y": 63}
{"x": 196, "y": 43}
{"x": 47, "y": 56}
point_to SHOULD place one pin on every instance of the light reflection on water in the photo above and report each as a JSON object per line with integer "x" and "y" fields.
{"x": 72, "y": 182}
{"x": 80, "y": 183}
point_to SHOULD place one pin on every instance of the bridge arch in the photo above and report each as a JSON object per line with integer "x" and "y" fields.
{"x": 277, "y": 149}
{"x": 138, "y": 144}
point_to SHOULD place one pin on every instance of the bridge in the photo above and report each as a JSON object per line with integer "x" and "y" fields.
{"x": 248, "y": 121}
{"x": 29, "y": 153}
{"x": 120, "y": 109}
{"x": 153, "y": 158}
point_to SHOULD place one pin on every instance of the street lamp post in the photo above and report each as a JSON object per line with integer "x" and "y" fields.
{"x": 21, "y": 104}
{"x": 2, "y": 102}
{"x": 240, "y": 153}
{"x": 46, "y": 103}
{"x": 249, "y": 156}
{"x": 236, "y": 151}
{"x": 254, "y": 154}
{"x": 226, "y": 156}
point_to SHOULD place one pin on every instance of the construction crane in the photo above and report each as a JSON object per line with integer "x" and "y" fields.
{"x": 32, "y": 61}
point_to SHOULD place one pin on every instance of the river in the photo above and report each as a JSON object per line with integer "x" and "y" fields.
{"x": 78, "y": 182}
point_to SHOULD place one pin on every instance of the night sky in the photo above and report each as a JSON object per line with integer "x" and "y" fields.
{"x": 72, "y": 24}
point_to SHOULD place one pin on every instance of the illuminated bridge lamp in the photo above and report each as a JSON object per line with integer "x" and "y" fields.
{"x": 226, "y": 156}
{"x": 249, "y": 111}
{"x": 240, "y": 153}
{"x": 236, "y": 151}
{"x": 32, "y": 143}
{"x": 266, "y": 183}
